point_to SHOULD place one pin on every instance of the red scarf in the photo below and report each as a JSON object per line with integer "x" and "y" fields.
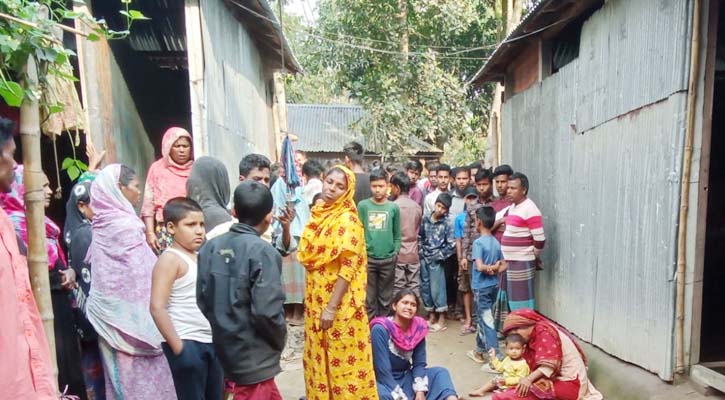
{"x": 544, "y": 347}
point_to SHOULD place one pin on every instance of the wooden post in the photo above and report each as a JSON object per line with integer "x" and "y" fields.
{"x": 195, "y": 53}
{"x": 35, "y": 208}
{"x": 280, "y": 102}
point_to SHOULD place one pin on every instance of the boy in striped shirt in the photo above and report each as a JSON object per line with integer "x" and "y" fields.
{"x": 521, "y": 242}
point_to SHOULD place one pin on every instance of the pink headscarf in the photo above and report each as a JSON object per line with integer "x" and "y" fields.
{"x": 166, "y": 179}
{"x": 14, "y": 205}
{"x": 405, "y": 340}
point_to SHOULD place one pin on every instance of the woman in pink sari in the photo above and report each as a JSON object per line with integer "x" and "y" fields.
{"x": 166, "y": 179}
{"x": 118, "y": 304}
{"x": 557, "y": 363}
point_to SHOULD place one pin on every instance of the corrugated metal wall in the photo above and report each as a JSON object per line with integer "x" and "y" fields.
{"x": 601, "y": 142}
{"x": 238, "y": 115}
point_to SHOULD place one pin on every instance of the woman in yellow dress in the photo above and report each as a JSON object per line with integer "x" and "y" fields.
{"x": 338, "y": 355}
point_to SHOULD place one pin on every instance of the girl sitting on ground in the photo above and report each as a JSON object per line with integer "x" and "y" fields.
{"x": 399, "y": 355}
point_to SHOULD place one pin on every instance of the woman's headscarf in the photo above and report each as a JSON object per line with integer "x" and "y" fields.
{"x": 544, "y": 347}
{"x": 208, "y": 185}
{"x": 14, "y": 205}
{"x": 118, "y": 306}
{"x": 405, "y": 340}
{"x": 332, "y": 230}
{"x": 73, "y": 217}
{"x": 166, "y": 179}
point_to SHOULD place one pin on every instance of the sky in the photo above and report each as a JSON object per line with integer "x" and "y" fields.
{"x": 304, "y": 8}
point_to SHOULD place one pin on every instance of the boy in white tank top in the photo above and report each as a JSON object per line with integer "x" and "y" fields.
{"x": 187, "y": 334}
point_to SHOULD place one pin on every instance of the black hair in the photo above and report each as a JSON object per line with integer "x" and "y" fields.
{"x": 444, "y": 167}
{"x": 391, "y": 169}
{"x": 405, "y": 292}
{"x": 415, "y": 165}
{"x": 401, "y": 180}
{"x": 378, "y": 174}
{"x": 433, "y": 168}
{"x": 487, "y": 216}
{"x": 458, "y": 170}
{"x": 521, "y": 177}
{"x": 476, "y": 165}
{"x": 515, "y": 338}
{"x": 252, "y": 202}
{"x": 312, "y": 169}
{"x": 126, "y": 176}
{"x": 6, "y": 131}
{"x": 503, "y": 169}
{"x": 178, "y": 208}
{"x": 252, "y": 161}
{"x": 355, "y": 152}
{"x": 483, "y": 174}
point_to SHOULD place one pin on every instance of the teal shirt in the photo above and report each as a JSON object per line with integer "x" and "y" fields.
{"x": 382, "y": 228}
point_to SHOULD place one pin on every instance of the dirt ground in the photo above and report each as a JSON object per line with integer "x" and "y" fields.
{"x": 447, "y": 349}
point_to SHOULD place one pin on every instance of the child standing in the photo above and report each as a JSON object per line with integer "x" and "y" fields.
{"x": 488, "y": 260}
{"x": 381, "y": 219}
{"x": 240, "y": 292}
{"x": 436, "y": 244}
{"x": 188, "y": 343}
{"x": 407, "y": 268}
{"x": 464, "y": 273}
{"x": 513, "y": 367}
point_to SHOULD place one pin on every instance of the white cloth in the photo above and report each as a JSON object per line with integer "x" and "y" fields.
{"x": 189, "y": 322}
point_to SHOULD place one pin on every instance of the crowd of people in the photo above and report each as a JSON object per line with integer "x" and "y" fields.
{"x": 193, "y": 298}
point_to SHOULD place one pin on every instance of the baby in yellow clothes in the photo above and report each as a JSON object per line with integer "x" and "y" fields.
{"x": 513, "y": 367}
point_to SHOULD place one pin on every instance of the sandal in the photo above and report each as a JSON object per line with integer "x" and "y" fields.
{"x": 472, "y": 355}
{"x": 467, "y": 330}
{"x": 438, "y": 328}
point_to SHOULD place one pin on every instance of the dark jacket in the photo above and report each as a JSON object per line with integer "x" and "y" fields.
{"x": 239, "y": 291}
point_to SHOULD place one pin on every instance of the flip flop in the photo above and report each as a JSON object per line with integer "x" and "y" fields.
{"x": 437, "y": 328}
{"x": 472, "y": 355}
{"x": 467, "y": 330}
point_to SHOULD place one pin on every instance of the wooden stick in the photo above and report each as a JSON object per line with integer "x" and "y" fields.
{"x": 35, "y": 208}
{"x": 34, "y": 25}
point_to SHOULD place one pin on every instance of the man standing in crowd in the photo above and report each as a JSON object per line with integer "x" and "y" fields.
{"x": 407, "y": 268}
{"x": 443, "y": 179}
{"x": 414, "y": 168}
{"x": 500, "y": 204}
{"x": 521, "y": 243}
{"x": 354, "y": 156}
{"x": 461, "y": 180}
{"x": 430, "y": 183}
{"x": 26, "y": 370}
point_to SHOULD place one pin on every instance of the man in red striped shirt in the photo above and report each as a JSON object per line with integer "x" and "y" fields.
{"x": 521, "y": 242}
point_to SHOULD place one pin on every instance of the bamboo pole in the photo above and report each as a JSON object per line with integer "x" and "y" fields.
{"x": 685, "y": 190}
{"x": 35, "y": 207}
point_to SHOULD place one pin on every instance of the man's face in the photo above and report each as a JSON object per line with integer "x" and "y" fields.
{"x": 257, "y": 175}
{"x": 516, "y": 192}
{"x": 501, "y": 182}
{"x": 462, "y": 180}
{"x": 413, "y": 175}
{"x": 444, "y": 179}
{"x": 471, "y": 200}
{"x": 440, "y": 211}
{"x": 7, "y": 166}
{"x": 300, "y": 159}
{"x": 433, "y": 178}
{"x": 379, "y": 187}
{"x": 484, "y": 188}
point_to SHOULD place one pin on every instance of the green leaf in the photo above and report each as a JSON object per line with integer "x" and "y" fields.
{"x": 125, "y": 13}
{"x": 67, "y": 163}
{"x": 55, "y": 108}
{"x": 73, "y": 173}
{"x": 12, "y": 93}
{"x": 81, "y": 165}
{"x": 93, "y": 37}
{"x": 137, "y": 15}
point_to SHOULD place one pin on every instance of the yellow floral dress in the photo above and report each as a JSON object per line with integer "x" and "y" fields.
{"x": 337, "y": 362}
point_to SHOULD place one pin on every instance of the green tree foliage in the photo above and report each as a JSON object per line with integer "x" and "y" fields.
{"x": 356, "y": 49}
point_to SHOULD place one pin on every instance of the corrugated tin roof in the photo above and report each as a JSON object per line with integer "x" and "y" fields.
{"x": 545, "y": 19}
{"x": 328, "y": 127}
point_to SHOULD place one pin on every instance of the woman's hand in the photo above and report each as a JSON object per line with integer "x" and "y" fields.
{"x": 326, "y": 319}
{"x": 420, "y": 396}
{"x": 68, "y": 278}
{"x": 153, "y": 241}
{"x": 522, "y": 390}
{"x": 94, "y": 158}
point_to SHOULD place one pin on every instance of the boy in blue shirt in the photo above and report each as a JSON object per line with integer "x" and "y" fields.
{"x": 488, "y": 259}
{"x": 470, "y": 196}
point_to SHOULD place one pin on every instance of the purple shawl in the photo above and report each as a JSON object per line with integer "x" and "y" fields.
{"x": 118, "y": 304}
{"x": 407, "y": 340}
